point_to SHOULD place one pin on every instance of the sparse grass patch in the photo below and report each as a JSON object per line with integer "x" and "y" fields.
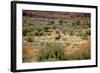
{"x": 81, "y": 54}
{"x": 51, "y": 52}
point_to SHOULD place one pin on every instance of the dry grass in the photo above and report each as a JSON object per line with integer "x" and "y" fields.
{"x": 78, "y": 52}
{"x": 29, "y": 54}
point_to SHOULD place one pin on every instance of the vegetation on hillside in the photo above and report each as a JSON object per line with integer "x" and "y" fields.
{"x": 55, "y": 36}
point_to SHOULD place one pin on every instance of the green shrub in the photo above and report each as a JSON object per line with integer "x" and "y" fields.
{"x": 27, "y": 30}
{"x": 46, "y": 28}
{"x": 60, "y": 22}
{"x": 50, "y": 22}
{"x": 36, "y": 33}
{"x": 83, "y": 34}
{"x": 71, "y": 33}
{"x": 30, "y": 37}
{"x": 78, "y": 22}
{"x": 51, "y": 52}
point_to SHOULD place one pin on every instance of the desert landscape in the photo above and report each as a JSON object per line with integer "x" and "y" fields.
{"x": 55, "y": 36}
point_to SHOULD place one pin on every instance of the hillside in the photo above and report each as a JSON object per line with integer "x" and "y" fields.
{"x": 67, "y": 30}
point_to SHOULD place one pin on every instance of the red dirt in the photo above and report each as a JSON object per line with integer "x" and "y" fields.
{"x": 30, "y": 51}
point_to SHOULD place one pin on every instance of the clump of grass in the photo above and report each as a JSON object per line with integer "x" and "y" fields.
{"x": 51, "y": 52}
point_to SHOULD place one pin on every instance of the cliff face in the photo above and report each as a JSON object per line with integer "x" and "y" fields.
{"x": 55, "y": 14}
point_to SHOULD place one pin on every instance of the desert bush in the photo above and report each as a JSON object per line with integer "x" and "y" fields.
{"x": 46, "y": 28}
{"x": 78, "y": 22}
{"x": 36, "y": 33}
{"x": 85, "y": 34}
{"x": 51, "y": 52}
{"x": 88, "y": 32}
{"x": 27, "y": 30}
{"x": 60, "y": 22}
{"x": 30, "y": 37}
{"x": 51, "y": 22}
{"x": 71, "y": 33}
